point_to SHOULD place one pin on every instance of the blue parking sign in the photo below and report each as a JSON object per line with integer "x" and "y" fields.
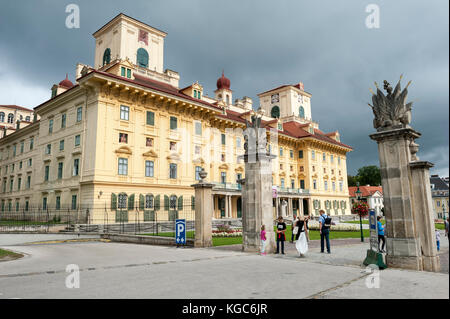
{"x": 180, "y": 231}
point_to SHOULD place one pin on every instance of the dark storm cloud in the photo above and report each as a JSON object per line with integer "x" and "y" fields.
{"x": 263, "y": 44}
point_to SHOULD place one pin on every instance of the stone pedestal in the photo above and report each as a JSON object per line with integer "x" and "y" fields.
{"x": 257, "y": 204}
{"x": 203, "y": 214}
{"x": 407, "y": 202}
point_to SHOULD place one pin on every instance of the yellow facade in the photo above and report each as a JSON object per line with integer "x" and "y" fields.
{"x": 118, "y": 132}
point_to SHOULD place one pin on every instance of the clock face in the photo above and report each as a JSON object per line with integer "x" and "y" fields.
{"x": 300, "y": 98}
{"x": 275, "y": 98}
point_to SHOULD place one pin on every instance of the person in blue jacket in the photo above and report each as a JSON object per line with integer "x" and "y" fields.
{"x": 380, "y": 235}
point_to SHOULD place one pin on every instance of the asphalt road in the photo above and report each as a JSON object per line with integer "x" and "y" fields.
{"x": 115, "y": 270}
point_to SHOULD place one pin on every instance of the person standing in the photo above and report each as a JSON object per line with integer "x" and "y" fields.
{"x": 302, "y": 236}
{"x": 381, "y": 237}
{"x": 263, "y": 240}
{"x": 294, "y": 221}
{"x": 446, "y": 229}
{"x": 438, "y": 239}
{"x": 324, "y": 228}
{"x": 281, "y": 236}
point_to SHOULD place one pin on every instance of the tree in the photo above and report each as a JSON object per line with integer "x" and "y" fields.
{"x": 369, "y": 175}
{"x": 352, "y": 180}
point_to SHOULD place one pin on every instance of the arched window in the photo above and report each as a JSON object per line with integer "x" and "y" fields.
{"x": 301, "y": 112}
{"x": 10, "y": 118}
{"x": 149, "y": 201}
{"x": 173, "y": 202}
{"x": 2, "y": 117}
{"x": 275, "y": 112}
{"x": 107, "y": 56}
{"x": 122, "y": 203}
{"x": 142, "y": 58}
{"x": 27, "y": 119}
{"x": 228, "y": 99}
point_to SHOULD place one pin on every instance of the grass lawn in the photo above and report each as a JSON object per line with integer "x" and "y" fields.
{"x": 364, "y": 221}
{"x": 189, "y": 234}
{"x": 6, "y": 254}
{"x": 23, "y": 222}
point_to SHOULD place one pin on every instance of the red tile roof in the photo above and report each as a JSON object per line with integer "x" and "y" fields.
{"x": 366, "y": 191}
{"x": 17, "y": 107}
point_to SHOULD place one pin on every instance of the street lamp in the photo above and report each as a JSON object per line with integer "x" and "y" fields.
{"x": 443, "y": 209}
{"x": 358, "y": 198}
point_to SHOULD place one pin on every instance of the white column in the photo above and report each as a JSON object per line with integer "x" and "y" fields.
{"x": 230, "y": 206}
{"x": 226, "y": 206}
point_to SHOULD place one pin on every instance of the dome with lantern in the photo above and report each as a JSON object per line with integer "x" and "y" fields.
{"x": 223, "y": 82}
{"x": 66, "y": 83}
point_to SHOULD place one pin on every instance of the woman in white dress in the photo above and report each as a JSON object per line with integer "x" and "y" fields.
{"x": 302, "y": 236}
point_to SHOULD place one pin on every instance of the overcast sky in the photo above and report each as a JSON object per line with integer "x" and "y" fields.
{"x": 261, "y": 45}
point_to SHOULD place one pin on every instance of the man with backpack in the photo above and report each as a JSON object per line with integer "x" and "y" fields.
{"x": 324, "y": 228}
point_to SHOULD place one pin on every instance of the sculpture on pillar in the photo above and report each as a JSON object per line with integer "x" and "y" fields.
{"x": 391, "y": 110}
{"x": 406, "y": 185}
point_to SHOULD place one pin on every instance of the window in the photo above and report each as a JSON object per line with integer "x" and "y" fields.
{"x": 149, "y": 201}
{"x": 63, "y": 120}
{"x": 20, "y": 165}
{"x": 61, "y": 145}
{"x": 291, "y": 153}
{"x": 223, "y": 177}
{"x": 122, "y": 71}
{"x": 124, "y": 112}
{"x": 281, "y": 151}
{"x": 301, "y": 112}
{"x": 28, "y": 185}
{"x": 27, "y": 118}
{"x": 122, "y": 202}
{"x": 275, "y": 112}
{"x": 30, "y": 162}
{"x": 173, "y": 202}
{"x": 331, "y": 158}
{"x": 173, "y": 146}
{"x": 74, "y": 202}
{"x": 107, "y": 56}
{"x": 238, "y": 142}
{"x": 19, "y": 183}
{"x": 325, "y": 185}
{"x": 197, "y": 149}
{"x": 12, "y": 167}
{"x": 282, "y": 183}
{"x": 302, "y": 169}
{"x": 58, "y": 202}
{"x": 22, "y": 145}
{"x": 142, "y": 58}
{"x": 302, "y": 184}
{"x": 333, "y": 186}
{"x": 291, "y": 168}
{"x": 324, "y": 157}
{"x": 31, "y": 143}
{"x": 314, "y": 184}
{"x": 123, "y": 138}
{"x": 149, "y": 142}
{"x": 46, "y": 173}
{"x": 76, "y": 164}
{"x": 173, "y": 171}
{"x": 313, "y": 155}
{"x": 129, "y": 73}
{"x": 173, "y": 123}
{"x": 10, "y": 118}
{"x": 79, "y": 113}
{"x": 11, "y": 183}
{"x": 198, "y": 128}
{"x": 292, "y": 183}
{"x": 197, "y": 172}
{"x": 324, "y": 170}
{"x": 123, "y": 166}
{"x": 60, "y": 170}
{"x": 27, "y": 205}
{"x": 14, "y": 150}
{"x": 281, "y": 166}
{"x": 339, "y": 161}
{"x": 150, "y": 118}
{"x": 223, "y": 139}
{"x": 222, "y": 157}
{"x": 2, "y": 117}
{"x": 48, "y": 149}
{"x": 44, "y": 203}
{"x": 50, "y": 126}
{"x": 195, "y": 93}
{"x": 149, "y": 168}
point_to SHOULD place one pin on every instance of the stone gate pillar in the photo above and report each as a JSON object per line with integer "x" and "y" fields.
{"x": 203, "y": 212}
{"x": 410, "y": 238}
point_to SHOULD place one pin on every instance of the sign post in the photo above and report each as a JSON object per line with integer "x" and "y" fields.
{"x": 373, "y": 256}
{"x": 180, "y": 232}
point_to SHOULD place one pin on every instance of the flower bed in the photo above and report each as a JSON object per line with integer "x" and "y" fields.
{"x": 226, "y": 231}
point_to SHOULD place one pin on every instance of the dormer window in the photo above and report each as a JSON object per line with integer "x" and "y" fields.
{"x": 280, "y": 126}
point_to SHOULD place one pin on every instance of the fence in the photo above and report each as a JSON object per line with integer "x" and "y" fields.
{"x": 138, "y": 220}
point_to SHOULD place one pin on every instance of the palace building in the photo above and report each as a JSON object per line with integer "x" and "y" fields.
{"x": 125, "y": 135}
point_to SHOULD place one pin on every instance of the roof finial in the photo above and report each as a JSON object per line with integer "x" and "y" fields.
{"x": 223, "y": 74}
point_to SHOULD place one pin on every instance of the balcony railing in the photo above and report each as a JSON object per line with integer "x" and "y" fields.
{"x": 228, "y": 186}
{"x": 292, "y": 190}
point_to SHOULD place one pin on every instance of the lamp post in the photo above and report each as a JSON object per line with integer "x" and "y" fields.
{"x": 443, "y": 210}
{"x": 358, "y": 198}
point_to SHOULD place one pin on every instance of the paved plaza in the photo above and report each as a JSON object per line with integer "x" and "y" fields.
{"x": 118, "y": 270}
